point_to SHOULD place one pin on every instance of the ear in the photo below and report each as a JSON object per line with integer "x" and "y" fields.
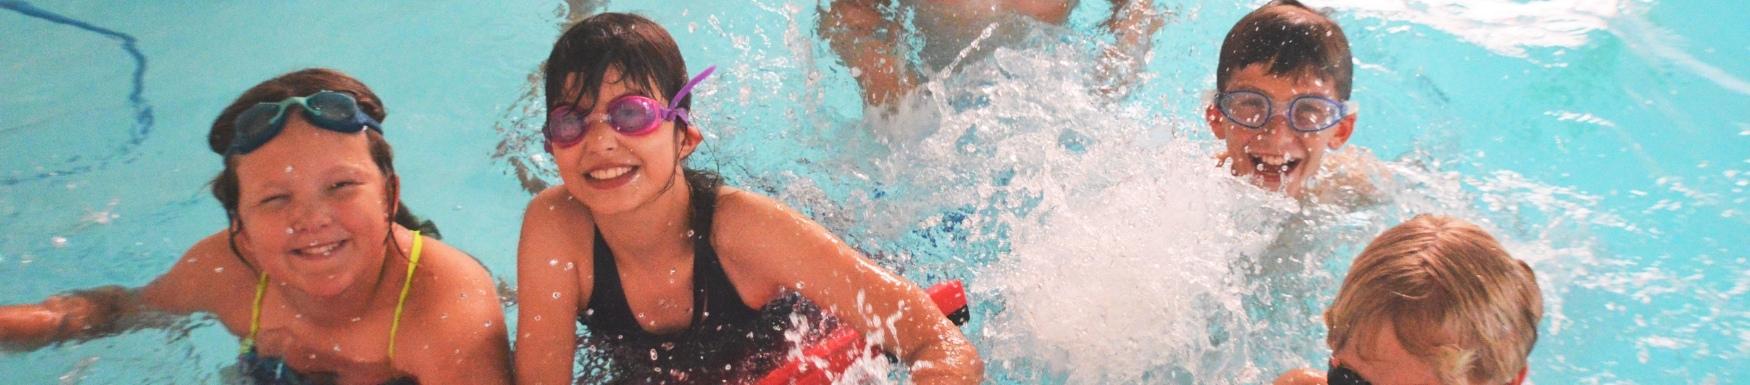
{"x": 690, "y": 140}
{"x": 1213, "y": 116}
{"x": 1521, "y": 378}
{"x": 1340, "y": 134}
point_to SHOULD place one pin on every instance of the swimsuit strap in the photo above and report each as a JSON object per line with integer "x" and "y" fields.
{"x": 394, "y": 325}
{"x": 406, "y": 286}
{"x": 255, "y": 314}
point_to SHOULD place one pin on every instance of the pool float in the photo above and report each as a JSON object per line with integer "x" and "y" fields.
{"x": 832, "y": 356}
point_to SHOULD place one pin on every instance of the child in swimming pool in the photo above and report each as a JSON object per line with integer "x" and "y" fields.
{"x": 678, "y": 278}
{"x": 867, "y": 35}
{"x": 321, "y": 272}
{"x": 1282, "y": 105}
{"x": 1434, "y": 300}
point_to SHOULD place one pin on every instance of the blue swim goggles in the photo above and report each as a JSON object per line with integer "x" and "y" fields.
{"x": 1304, "y": 113}
{"x": 330, "y": 110}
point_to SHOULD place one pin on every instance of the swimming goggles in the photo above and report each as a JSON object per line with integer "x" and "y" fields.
{"x": 330, "y": 110}
{"x": 1306, "y": 113}
{"x": 630, "y": 115}
{"x": 1342, "y": 375}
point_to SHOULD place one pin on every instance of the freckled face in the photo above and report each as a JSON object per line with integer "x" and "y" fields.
{"x": 611, "y": 172}
{"x": 1275, "y": 156}
{"x": 314, "y": 208}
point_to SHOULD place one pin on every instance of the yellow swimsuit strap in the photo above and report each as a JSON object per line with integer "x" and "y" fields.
{"x": 406, "y": 286}
{"x": 394, "y": 325}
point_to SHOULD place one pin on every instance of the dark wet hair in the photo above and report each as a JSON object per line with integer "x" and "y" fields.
{"x": 1294, "y": 39}
{"x": 641, "y": 50}
{"x": 301, "y": 83}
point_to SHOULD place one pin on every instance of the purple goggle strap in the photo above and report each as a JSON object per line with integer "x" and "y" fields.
{"x": 674, "y": 109}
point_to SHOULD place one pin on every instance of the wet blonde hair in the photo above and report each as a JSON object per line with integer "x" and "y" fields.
{"x": 1458, "y": 301}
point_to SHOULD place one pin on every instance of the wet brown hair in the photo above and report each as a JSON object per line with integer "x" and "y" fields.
{"x": 1458, "y": 301}
{"x": 1293, "y": 40}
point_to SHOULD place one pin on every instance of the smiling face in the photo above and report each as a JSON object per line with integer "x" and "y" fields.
{"x": 611, "y": 172}
{"x": 314, "y": 208}
{"x": 1275, "y": 156}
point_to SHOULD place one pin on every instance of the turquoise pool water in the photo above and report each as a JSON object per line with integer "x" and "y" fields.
{"x": 1603, "y": 141}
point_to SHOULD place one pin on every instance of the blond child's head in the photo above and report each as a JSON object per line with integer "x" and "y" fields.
{"x": 1435, "y": 300}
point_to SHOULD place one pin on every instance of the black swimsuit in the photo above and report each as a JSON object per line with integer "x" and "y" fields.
{"x": 725, "y": 342}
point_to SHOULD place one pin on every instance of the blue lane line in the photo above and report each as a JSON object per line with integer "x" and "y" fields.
{"x": 143, "y": 118}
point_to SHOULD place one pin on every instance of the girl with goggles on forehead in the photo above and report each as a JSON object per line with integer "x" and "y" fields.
{"x": 678, "y": 278}
{"x": 322, "y": 272}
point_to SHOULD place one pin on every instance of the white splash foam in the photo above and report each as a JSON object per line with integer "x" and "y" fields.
{"x": 1505, "y": 27}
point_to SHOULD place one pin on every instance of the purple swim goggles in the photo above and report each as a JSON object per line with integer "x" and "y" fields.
{"x": 630, "y": 115}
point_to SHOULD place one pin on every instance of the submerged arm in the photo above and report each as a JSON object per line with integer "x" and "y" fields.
{"x": 869, "y": 44}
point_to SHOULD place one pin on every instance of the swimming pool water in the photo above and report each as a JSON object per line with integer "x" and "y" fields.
{"x": 1602, "y": 140}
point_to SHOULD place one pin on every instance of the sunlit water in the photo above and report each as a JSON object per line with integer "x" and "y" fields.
{"x": 1600, "y": 141}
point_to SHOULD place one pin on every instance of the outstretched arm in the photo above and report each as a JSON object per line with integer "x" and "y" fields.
{"x": 78, "y": 314}
{"x": 869, "y": 44}
{"x": 97, "y": 312}
{"x": 768, "y": 245}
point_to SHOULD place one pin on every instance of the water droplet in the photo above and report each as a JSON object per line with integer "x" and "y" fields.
{"x": 537, "y": 317}
{"x": 488, "y": 324}
{"x": 58, "y": 241}
{"x": 569, "y": 266}
{"x": 337, "y": 347}
{"x": 552, "y": 262}
{"x": 356, "y": 319}
{"x": 555, "y": 295}
{"x": 288, "y": 230}
{"x": 219, "y": 269}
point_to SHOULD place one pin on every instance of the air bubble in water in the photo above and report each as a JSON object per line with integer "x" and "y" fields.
{"x": 58, "y": 241}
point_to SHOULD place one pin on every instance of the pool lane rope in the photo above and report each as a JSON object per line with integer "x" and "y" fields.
{"x": 143, "y": 118}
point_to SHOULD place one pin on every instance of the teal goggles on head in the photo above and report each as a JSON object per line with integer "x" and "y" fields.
{"x": 329, "y": 110}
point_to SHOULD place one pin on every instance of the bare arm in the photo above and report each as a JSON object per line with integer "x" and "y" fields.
{"x": 766, "y": 243}
{"x": 549, "y": 289}
{"x": 97, "y": 312}
{"x": 869, "y": 44}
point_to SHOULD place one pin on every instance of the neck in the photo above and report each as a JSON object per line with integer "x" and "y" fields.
{"x": 363, "y": 297}
{"x": 654, "y": 233}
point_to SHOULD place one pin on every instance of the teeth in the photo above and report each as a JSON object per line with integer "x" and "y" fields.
{"x": 610, "y": 173}
{"x": 323, "y": 250}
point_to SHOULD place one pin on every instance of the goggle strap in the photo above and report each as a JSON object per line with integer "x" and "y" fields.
{"x": 675, "y": 102}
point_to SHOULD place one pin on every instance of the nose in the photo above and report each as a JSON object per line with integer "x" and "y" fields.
{"x": 1276, "y": 131}
{"x": 312, "y": 215}
{"x": 598, "y": 137}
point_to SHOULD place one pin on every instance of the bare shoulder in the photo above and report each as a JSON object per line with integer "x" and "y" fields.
{"x": 450, "y": 277}
{"x": 454, "y": 311}
{"x": 188, "y": 285}
{"x": 747, "y": 218}
{"x": 555, "y": 204}
{"x": 737, "y": 208}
